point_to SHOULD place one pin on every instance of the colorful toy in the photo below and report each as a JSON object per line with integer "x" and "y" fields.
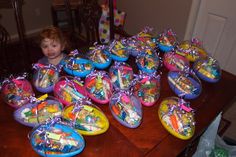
{"x": 207, "y": 69}
{"x": 78, "y": 67}
{"x": 100, "y": 58}
{"x": 167, "y": 41}
{"x": 177, "y": 117}
{"x": 54, "y": 139}
{"x": 146, "y": 37}
{"x": 192, "y": 50}
{"x": 37, "y": 112}
{"x": 121, "y": 75}
{"x": 99, "y": 87}
{"x": 175, "y": 62}
{"x": 69, "y": 90}
{"x": 184, "y": 84}
{"x": 86, "y": 118}
{"x": 126, "y": 109}
{"x": 16, "y": 91}
{"x": 147, "y": 88}
{"x": 118, "y": 51}
{"x": 148, "y": 62}
{"x": 45, "y": 77}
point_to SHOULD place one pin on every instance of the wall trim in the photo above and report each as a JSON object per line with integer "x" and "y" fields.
{"x": 28, "y": 33}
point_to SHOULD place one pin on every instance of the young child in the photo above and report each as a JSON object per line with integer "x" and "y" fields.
{"x": 52, "y": 43}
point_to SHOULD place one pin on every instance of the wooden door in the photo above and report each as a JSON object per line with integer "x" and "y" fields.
{"x": 215, "y": 25}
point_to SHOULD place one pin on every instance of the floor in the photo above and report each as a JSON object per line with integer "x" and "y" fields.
{"x": 230, "y": 133}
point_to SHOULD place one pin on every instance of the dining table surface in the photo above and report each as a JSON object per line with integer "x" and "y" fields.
{"x": 149, "y": 139}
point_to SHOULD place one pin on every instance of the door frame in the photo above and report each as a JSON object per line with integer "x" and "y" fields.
{"x": 192, "y": 19}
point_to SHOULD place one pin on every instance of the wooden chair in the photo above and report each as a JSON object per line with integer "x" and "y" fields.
{"x": 89, "y": 13}
{"x": 4, "y": 39}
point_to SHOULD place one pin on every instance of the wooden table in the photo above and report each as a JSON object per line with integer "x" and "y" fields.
{"x": 149, "y": 139}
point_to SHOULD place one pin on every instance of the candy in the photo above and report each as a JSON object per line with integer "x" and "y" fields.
{"x": 69, "y": 90}
{"x": 98, "y": 86}
{"x": 16, "y": 92}
{"x": 86, "y": 118}
{"x": 54, "y": 138}
{"x": 208, "y": 69}
{"x": 126, "y": 109}
{"x": 176, "y": 120}
{"x": 35, "y": 113}
{"x": 45, "y": 77}
{"x": 121, "y": 75}
{"x": 184, "y": 84}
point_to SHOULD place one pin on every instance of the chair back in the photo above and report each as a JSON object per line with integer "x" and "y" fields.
{"x": 4, "y": 39}
{"x": 89, "y": 13}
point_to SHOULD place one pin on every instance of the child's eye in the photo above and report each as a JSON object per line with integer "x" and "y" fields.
{"x": 44, "y": 46}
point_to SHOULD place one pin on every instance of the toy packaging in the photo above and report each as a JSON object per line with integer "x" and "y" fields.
{"x": 86, "y": 118}
{"x": 45, "y": 77}
{"x": 54, "y": 139}
{"x": 126, "y": 109}
{"x": 16, "y": 91}
{"x": 38, "y": 111}
{"x": 177, "y": 117}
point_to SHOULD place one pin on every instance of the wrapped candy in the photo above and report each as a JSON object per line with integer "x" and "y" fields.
{"x": 147, "y": 88}
{"x": 192, "y": 50}
{"x": 137, "y": 44}
{"x": 100, "y": 58}
{"x": 184, "y": 84}
{"x": 175, "y": 62}
{"x": 207, "y": 69}
{"x": 38, "y": 111}
{"x": 118, "y": 51}
{"x": 99, "y": 87}
{"x": 148, "y": 61}
{"x": 177, "y": 117}
{"x": 86, "y": 118}
{"x": 69, "y": 90}
{"x": 167, "y": 41}
{"x": 45, "y": 77}
{"x": 16, "y": 91}
{"x": 146, "y": 37}
{"x": 126, "y": 109}
{"x": 77, "y": 66}
{"x": 121, "y": 75}
{"x": 53, "y": 139}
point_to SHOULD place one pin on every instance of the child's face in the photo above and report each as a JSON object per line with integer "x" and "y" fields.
{"x": 51, "y": 48}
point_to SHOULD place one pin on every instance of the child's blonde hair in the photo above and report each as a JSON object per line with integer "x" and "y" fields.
{"x": 53, "y": 33}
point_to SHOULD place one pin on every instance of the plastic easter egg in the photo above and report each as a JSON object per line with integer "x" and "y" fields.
{"x": 207, "y": 70}
{"x": 45, "y": 77}
{"x": 78, "y": 66}
{"x": 126, "y": 109}
{"x": 98, "y": 86}
{"x": 175, "y": 62}
{"x": 16, "y": 91}
{"x": 148, "y": 63}
{"x": 99, "y": 57}
{"x": 118, "y": 51}
{"x": 87, "y": 119}
{"x": 69, "y": 90}
{"x": 191, "y": 51}
{"x": 121, "y": 75}
{"x": 56, "y": 140}
{"x": 133, "y": 46}
{"x": 184, "y": 85}
{"x": 147, "y": 88}
{"x": 167, "y": 41}
{"x": 33, "y": 114}
{"x": 177, "y": 118}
